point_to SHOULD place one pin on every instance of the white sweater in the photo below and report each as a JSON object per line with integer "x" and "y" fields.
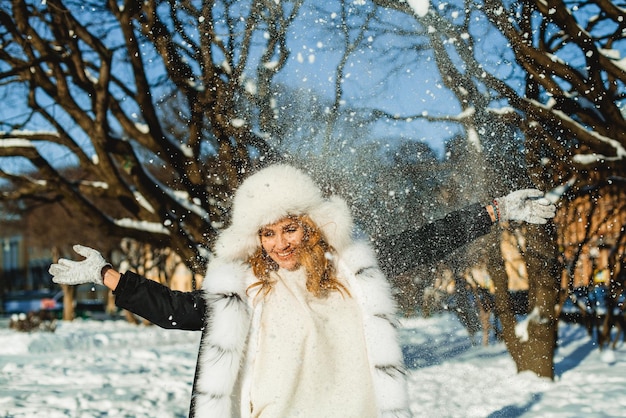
{"x": 311, "y": 359}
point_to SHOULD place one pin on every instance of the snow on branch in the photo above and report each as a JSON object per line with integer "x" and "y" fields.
{"x": 16, "y": 143}
{"x": 152, "y": 227}
{"x": 180, "y": 197}
{"x": 95, "y": 184}
{"x": 419, "y": 7}
{"x": 185, "y": 149}
{"x": 143, "y": 202}
{"x": 620, "y": 151}
{"x": 22, "y": 135}
{"x": 555, "y": 194}
{"x": 587, "y": 159}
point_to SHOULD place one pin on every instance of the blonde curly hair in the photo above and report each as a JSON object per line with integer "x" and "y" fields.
{"x": 316, "y": 256}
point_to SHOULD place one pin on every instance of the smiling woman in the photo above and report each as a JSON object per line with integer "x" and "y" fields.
{"x": 282, "y": 240}
{"x": 296, "y": 315}
{"x": 291, "y": 243}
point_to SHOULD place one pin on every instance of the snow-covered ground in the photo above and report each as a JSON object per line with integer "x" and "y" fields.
{"x": 91, "y": 368}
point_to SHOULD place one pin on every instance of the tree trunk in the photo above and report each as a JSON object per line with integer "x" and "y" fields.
{"x": 535, "y": 351}
{"x": 69, "y": 292}
{"x": 503, "y": 310}
{"x": 543, "y": 274}
{"x": 69, "y": 295}
{"x": 110, "y": 307}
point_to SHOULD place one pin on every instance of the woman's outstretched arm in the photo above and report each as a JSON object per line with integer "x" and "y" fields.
{"x": 157, "y": 303}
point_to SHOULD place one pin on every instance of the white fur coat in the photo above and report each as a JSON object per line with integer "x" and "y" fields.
{"x": 222, "y": 360}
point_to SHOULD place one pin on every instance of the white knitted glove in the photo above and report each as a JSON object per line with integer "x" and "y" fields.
{"x": 78, "y": 272}
{"x": 525, "y": 205}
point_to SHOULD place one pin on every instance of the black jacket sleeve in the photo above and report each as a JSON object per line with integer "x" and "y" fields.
{"x": 432, "y": 242}
{"x": 160, "y": 305}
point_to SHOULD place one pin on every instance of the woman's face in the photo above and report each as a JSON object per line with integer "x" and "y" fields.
{"x": 282, "y": 242}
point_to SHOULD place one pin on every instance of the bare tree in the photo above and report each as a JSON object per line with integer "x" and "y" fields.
{"x": 166, "y": 105}
{"x": 94, "y": 78}
{"x": 563, "y": 89}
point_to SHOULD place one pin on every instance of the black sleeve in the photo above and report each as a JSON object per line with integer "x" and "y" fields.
{"x": 432, "y": 242}
{"x": 160, "y": 305}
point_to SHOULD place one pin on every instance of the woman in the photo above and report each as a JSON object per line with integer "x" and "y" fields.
{"x": 297, "y": 317}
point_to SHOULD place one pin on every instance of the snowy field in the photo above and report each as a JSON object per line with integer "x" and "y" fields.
{"x": 90, "y": 368}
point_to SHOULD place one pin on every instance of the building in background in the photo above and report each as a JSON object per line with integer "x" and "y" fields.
{"x": 22, "y": 267}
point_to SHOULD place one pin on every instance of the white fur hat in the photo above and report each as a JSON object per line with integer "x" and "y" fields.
{"x": 271, "y": 194}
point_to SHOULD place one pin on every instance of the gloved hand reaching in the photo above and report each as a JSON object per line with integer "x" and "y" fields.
{"x": 525, "y": 205}
{"x": 88, "y": 270}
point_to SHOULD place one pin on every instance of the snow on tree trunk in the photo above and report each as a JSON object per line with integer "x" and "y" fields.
{"x": 531, "y": 343}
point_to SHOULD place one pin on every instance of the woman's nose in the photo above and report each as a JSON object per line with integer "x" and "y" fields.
{"x": 281, "y": 241}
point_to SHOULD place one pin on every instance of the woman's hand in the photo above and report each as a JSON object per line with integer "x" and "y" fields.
{"x": 527, "y": 205}
{"x": 88, "y": 270}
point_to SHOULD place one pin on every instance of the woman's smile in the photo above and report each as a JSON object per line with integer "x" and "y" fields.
{"x": 282, "y": 241}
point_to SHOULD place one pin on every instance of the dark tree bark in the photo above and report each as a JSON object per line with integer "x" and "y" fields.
{"x": 565, "y": 96}
{"x": 101, "y": 76}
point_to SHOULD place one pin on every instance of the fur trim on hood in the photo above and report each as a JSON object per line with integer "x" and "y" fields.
{"x": 271, "y": 194}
